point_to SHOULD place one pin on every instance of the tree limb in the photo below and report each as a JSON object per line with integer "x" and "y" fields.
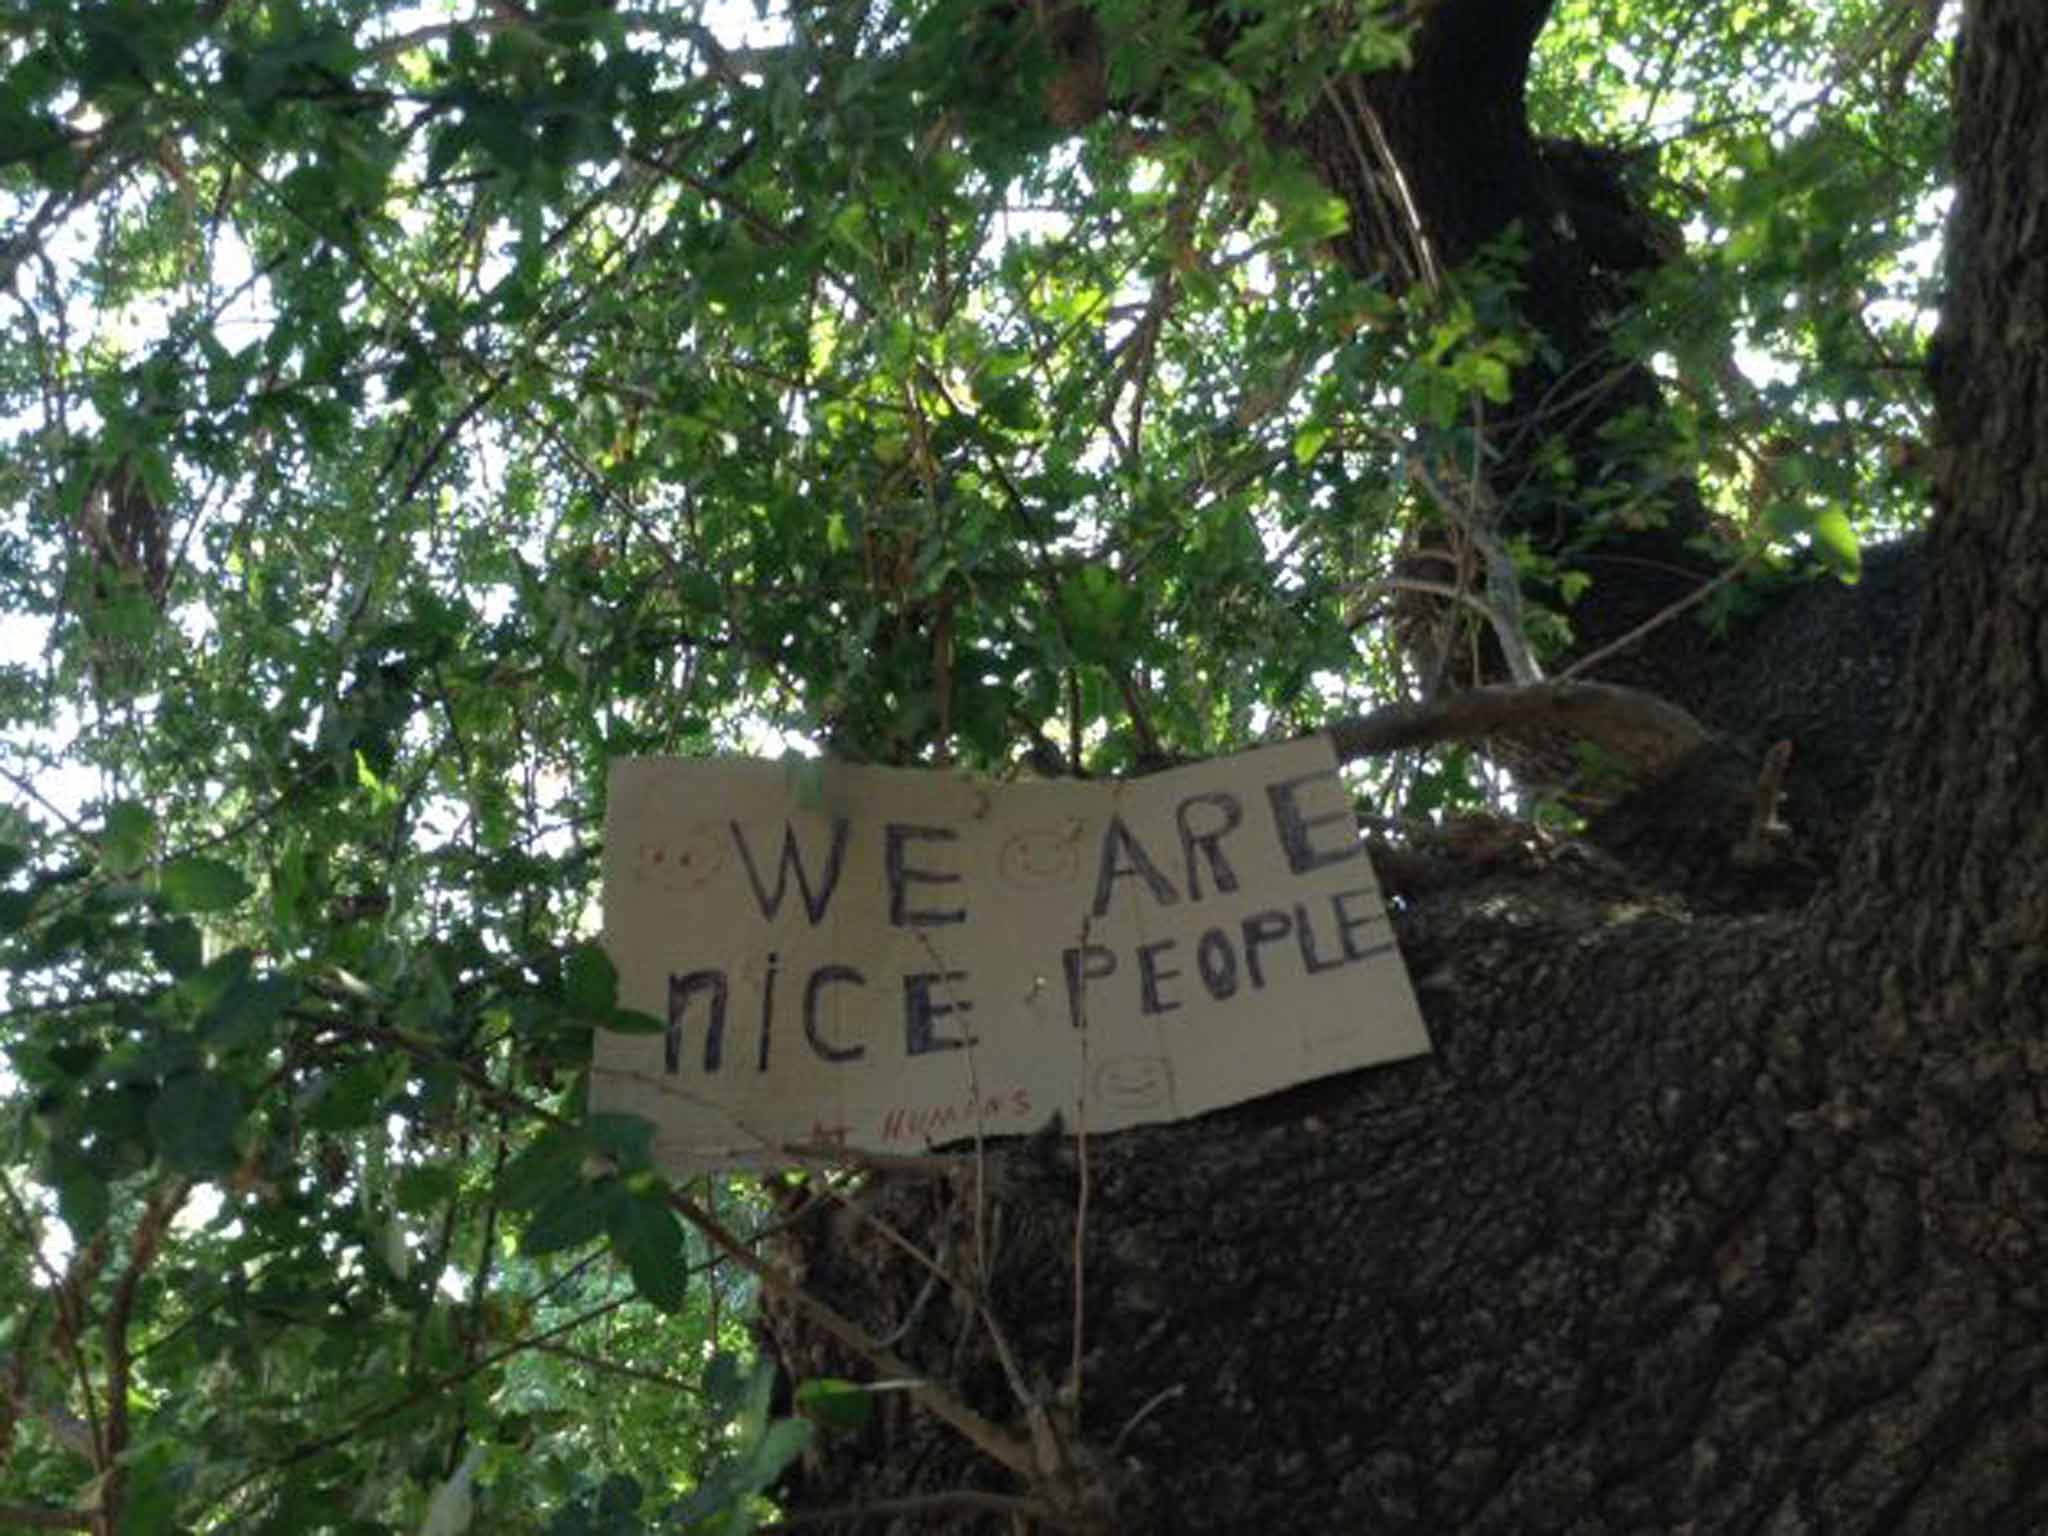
{"x": 1639, "y": 728}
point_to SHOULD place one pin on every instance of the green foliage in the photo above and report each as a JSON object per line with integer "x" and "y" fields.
{"x": 401, "y": 416}
{"x": 1809, "y": 183}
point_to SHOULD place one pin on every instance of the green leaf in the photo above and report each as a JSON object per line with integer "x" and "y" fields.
{"x": 630, "y": 1021}
{"x": 568, "y": 1218}
{"x": 1836, "y": 540}
{"x": 83, "y": 1200}
{"x": 159, "y": 1471}
{"x": 779, "y": 1445}
{"x": 628, "y": 1140}
{"x": 834, "y": 1404}
{"x": 647, "y": 1235}
{"x": 248, "y": 1013}
{"x": 200, "y": 884}
{"x": 424, "y": 1189}
{"x": 552, "y": 1164}
{"x": 206, "y": 987}
{"x": 128, "y": 837}
{"x": 194, "y": 1121}
{"x": 16, "y": 907}
{"x": 590, "y": 982}
{"x": 176, "y": 946}
{"x": 350, "y": 1098}
{"x": 725, "y": 1385}
{"x": 1098, "y": 608}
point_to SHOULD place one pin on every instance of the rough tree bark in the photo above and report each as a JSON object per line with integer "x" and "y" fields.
{"x": 1691, "y": 1223}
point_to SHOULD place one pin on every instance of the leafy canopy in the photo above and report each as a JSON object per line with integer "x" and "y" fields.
{"x": 406, "y": 412}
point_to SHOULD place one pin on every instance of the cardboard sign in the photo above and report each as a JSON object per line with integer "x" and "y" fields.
{"x": 876, "y": 959}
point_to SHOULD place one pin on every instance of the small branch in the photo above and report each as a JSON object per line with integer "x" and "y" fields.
{"x": 613, "y": 1368}
{"x": 1503, "y": 601}
{"x": 1360, "y": 615}
{"x": 157, "y": 1213}
{"x": 1141, "y": 718}
{"x": 1082, "y": 1174}
{"x": 27, "y": 787}
{"x": 426, "y": 1390}
{"x": 1770, "y": 785}
{"x": 1755, "y": 849}
{"x": 978, "y": 1431}
{"x": 1150, "y": 1406}
{"x": 1659, "y": 619}
{"x": 68, "y": 1291}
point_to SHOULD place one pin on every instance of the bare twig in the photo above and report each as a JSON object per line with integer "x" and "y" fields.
{"x": 1358, "y": 616}
{"x": 1150, "y": 1406}
{"x": 928, "y": 1164}
{"x": 614, "y": 1368}
{"x": 27, "y": 787}
{"x": 996, "y": 1443}
{"x": 1756, "y": 848}
{"x": 68, "y": 1291}
{"x": 429, "y": 1388}
{"x": 1502, "y": 603}
{"x": 1658, "y": 619}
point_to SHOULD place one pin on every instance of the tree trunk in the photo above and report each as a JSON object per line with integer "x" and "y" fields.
{"x": 1704, "y": 1224}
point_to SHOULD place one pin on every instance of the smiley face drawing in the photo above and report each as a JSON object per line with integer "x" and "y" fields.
{"x": 1041, "y": 856}
{"x": 685, "y": 862}
{"x": 1132, "y": 1082}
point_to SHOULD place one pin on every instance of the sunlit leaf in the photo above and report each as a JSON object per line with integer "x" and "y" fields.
{"x": 834, "y": 1404}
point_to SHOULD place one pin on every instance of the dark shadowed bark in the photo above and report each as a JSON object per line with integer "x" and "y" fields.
{"x": 1691, "y": 1223}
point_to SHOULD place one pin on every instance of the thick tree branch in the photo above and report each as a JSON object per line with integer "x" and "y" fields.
{"x": 1641, "y": 729}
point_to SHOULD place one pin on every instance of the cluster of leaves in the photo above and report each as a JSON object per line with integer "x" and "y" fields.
{"x": 1810, "y": 187}
{"x": 403, "y": 416}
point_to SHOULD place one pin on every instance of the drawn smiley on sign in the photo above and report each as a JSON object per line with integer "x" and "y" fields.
{"x": 1042, "y": 856}
{"x": 685, "y": 861}
{"x": 1133, "y": 1082}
